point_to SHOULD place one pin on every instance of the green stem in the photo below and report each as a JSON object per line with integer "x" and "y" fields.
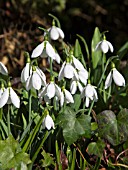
{"x": 8, "y": 120}
{"x": 51, "y": 69}
{"x": 30, "y": 106}
{"x": 1, "y": 113}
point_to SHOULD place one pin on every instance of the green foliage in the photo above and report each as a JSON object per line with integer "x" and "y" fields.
{"x": 113, "y": 128}
{"x": 74, "y": 126}
{"x": 11, "y": 155}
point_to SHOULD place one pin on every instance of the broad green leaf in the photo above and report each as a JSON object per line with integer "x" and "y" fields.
{"x": 112, "y": 128}
{"x": 96, "y": 55}
{"x": 96, "y": 148}
{"x": 11, "y": 155}
{"x": 77, "y": 102}
{"x": 74, "y": 126}
{"x": 78, "y": 53}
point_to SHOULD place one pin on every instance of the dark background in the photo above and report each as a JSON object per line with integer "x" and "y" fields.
{"x": 20, "y": 19}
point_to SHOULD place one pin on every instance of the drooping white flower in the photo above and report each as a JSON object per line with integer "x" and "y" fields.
{"x": 74, "y": 85}
{"x": 48, "y": 122}
{"x": 67, "y": 70}
{"x": 50, "y": 91}
{"x": 104, "y": 46}
{"x": 9, "y": 96}
{"x": 26, "y": 73}
{"x": 55, "y": 33}
{"x": 36, "y": 79}
{"x": 66, "y": 96}
{"x": 44, "y": 50}
{"x": 116, "y": 76}
{"x": 3, "y": 69}
{"x": 89, "y": 92}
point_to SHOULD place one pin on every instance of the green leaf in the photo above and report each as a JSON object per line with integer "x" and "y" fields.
{"x": 123, "y": 51}
{"x": 96, "y": 148}
{"x": 73, "y": 126}
{"x": 48, "y": 159}
{"x": 112, "y": 128}
{"x": 77, "y": 102}
{"x": 96, "y": 55}
{"x": 11, "y": 155}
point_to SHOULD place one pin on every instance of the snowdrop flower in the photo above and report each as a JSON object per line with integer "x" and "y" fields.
{"x": 90, "y": 93}
{"x": 65, "y": 97}
{"x": 48, "y": 122}
{"x": 104, "y": 46}
{"x": 3, "y": 69}
{"x": 55, "y": 33}
{"x": 2, "y": 89}
{"x": 36, "y": 79}
{"x": 67, "y": 70}
{"x": 26, "y": 73}
{"x": 74, "y": 84}
{"x": 50, "y": 91}
{"x": 44, "y": 50}
{"x": 9, "y": 96}
{"x": 116, "y": 76}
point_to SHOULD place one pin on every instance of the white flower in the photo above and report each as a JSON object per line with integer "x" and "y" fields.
{"x": 66, "y": 97}
{"x": 44, "y": 50}
{"x": 67, "y": 70}
{"x": 104, "y": 46}
{"x": 25, "y": 73}
{"x": 90, "y": 93}
{"x": 9, "y": 96}
{"x": 83, "y": 76}
{"x": 78, "y": 65}
{"x": 3, "y": 69}
{"x": 36, "y": 79}
{"x": 55, "y": 33}
{"x": 74, "y": 85}
{"x": 117, "y": 77}
{"x": 48, "y": 122}
{"x": 50, "y": 91}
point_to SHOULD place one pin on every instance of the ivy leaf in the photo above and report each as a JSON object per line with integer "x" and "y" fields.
{"x": 11, "y": 155}
{"x": 77, "y": 102}
{"x": 96, "y": 148}
{"x": 73, "y": 126}
{"x": 112, "y": 128}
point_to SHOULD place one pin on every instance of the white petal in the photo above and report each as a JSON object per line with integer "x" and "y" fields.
{"x": 58, "y": 91}
{"x": 29, "y": 83}
{"x": 38, "y": 50}
{"x": 83, "y": 76}
{"x": 4, "y": 98}
{"x": 69, "y": 71}
{"x": 57, "y": 58}
{"x": 89, "y": 91}
{"x": 3, "y": 69}
{"x": 87, "y": 102}
{"x": 80, "y": 87}
{"x": 110, "y": 46}
{"x": 61, "y": 33}
{"x": 118, "y": 78}
{"x": 78, "y": 64}
{"x": 61, "y": 72}
{"x": 50, "y": 50}
{"x": 36, "y": 81}
{"x": 14, "y": 98}
{"x": 25, "y": 73}
{"x": 42, "y": 92}
{"x": 62, "y": 99}
{"x": 73, "y": 87}
{"x": 49, "y": 122}
{"x": 95, "y": 96}
{"x": 108, "y": 80}
{"x": 51, "y": 90}
{"x": 54, "y": 34}
{"x": 68, "y": 96}
{"x": 104, "y": 46}
{"x": 42, "y": 75}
